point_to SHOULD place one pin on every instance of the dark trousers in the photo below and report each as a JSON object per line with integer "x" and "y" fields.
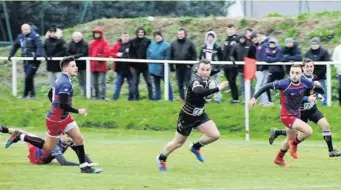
{"x": 136, "y": 81}
{"x": 118, "y": 85}
{"x": 271, "y": 78}
{"x": 183, "y": 76}
{"x": 231, "y": 75}
{"x": 30, "y": 68}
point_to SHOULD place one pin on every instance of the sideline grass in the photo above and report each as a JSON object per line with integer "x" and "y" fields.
{"x": 128, "y": 159}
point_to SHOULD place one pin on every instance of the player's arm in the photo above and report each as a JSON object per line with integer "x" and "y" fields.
{"x": 64, "y": 97}
{"x": 199, "y": 89}
{"x": 62, "y": 161}
{"x": 263, "y": 89}
{"x": 49, "y": 95}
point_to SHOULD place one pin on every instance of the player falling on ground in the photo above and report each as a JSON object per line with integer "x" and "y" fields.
{"x": 59, "y": 119}
{"x": 309, "y": 111}
{"x": 57, "y": 153}
{"x": 192, "y": 115}
{"x": 292, "y": 93}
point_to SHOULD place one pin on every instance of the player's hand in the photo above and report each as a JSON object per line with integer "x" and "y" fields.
{"x": 93, "y": 164}
{"x": 223, "y": 85}
{"x": 252, "y": 103}
{"x": 317, "y": 84}
{"x": 82, "y": 111}
{"x": 312, "y": 98}
{"x": 119, "y": 54}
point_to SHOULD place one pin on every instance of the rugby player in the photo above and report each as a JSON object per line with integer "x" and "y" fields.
{"x": 193, "y": 116}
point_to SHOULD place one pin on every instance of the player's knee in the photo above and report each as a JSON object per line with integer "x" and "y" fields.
{"x": 216, "y": 136}
{"x": 79, "y": 140}
{"x": 309, "y": 131}
{"x": 178, "y": 144}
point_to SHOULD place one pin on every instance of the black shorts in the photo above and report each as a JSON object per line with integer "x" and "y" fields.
{"x": 187, "y": 122}
{"x": 313, "y": 115}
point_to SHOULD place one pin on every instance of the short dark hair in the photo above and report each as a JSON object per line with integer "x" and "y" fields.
{"x": 157, "y": 33}
{"x": 205, "y": 61}
{"x": 296, "y": 66}
{"x": 65, "y": 61}
{"x": 230, "y": 26}
{"x": 307, "y": 60}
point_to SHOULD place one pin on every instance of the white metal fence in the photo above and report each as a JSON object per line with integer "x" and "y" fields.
{"x": 166, "y": 63}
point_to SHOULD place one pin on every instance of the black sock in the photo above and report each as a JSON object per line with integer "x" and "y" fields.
{"x": 340, "y": 96}
{"x": 162, "y": 157}
{"x": 283, "y": 132}
{"x": 3, "y": 129}
{"x": 80, "y": 153}
{"x": 35, "y": 141}
{"x": 327, "y": 136}
{"x": 198, "y": 145}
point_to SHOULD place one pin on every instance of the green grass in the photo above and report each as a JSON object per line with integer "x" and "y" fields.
{"x": 128, "y": 160}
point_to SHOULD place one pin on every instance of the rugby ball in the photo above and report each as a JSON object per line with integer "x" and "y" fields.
{"x": 211, "y": 84}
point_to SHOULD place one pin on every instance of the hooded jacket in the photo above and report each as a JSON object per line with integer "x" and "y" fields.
{"x": 54, "y": 47}
{"x": 239, "y": 51}
{"x": 99, "y": 48}
{"x": 212, "y": 52}
{"x": 31, "y": 45}
{"x": 291, "y": 54}
{"x": 121, "y": 67}
{"x": 319, "y": 54}
{"x": 158, "y": 51}
{"x": 80, "y": 49}
{"x": 138, "y": 50}
{"x": 273, "y": 55}
{"x": 337, "y": 58}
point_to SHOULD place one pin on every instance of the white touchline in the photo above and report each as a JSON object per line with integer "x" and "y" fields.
{"x": 307, "y": 186}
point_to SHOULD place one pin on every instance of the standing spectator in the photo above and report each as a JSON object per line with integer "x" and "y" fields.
{"x": 248, "y": 35}
{"x": 238, "y": 52}
{"x": 159, "y": 50}
{"x": 291, "y": 52}
{"x": 318, "y": 53}
{"x": 337, "y": 58}
{"x": 273, "y": 54}
{"x": 54, "y": 46}
{"x": 123, "y": 69}
{"x": 99, "y": 47}
{"x": 138, "y": 50}
{"x": 78, "y": 47}
{"x": 183, "y": 49}
{"x": 212, "y": 52}
{"x": 31, "y": 46}
{"x": 231, "y": 71}
{"x": 262, "y": 73}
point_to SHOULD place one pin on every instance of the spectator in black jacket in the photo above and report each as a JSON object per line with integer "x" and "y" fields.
{"x": 291, "y": 52}
{"x": 31, "y": 46}
{"x": 213, "y": 52}
{"x": 54, "y": 46}
{"x": 183, "y": 49}
{"x": 231, "y": 71}
{"x": 318, "y": 53}
{"x": 138, "y": 50}
{"x": 78, "y": 47}
{"x": 238, "y": 52}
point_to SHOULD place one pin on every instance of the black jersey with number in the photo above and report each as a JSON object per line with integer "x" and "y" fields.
{"x": 195, "y": 101}
{"x": 306, "y": 105}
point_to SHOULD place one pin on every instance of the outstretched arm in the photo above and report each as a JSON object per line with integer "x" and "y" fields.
{"x": 62, "y": 161}
{"x": 263, "y": 89}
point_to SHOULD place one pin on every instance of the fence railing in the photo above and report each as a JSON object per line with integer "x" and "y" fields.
{"x": 166, "y": 63}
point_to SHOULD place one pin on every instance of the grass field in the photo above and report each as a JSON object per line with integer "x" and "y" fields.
{"x": 128, "y": 160}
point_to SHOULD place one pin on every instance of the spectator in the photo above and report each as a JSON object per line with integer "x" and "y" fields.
{"x": 159, "y": 50}
{"x": 212, "y": 52}
{"x": 273, "y": 54}
{"x": 183, "y": 49}
{"x": 318, "y": 53}
{"x": 31, "y": 46}
{"x": 262, "y": 70}
{"x": 238, "y": 52}
{"x": 123, "y": 69}
{"x": 231, "y": 71}
{"x": 138, "y": 50}
{"x": 337, "y": 58}
{"x": 78, "y": 47}
{"x": 54, "y": 46}
{"x": 291, "y": 52}
{"x": 248, "y": 35}
{"x": 99, "y": 47}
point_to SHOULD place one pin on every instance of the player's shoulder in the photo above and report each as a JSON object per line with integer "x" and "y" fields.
{"x": 308, "y": 83}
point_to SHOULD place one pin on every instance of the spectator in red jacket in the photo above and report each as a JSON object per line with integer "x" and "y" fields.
{"x": 123, "y": 69}
{"x": 99, "y": 47}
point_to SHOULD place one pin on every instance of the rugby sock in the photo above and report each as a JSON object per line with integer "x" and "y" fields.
{"x": 281, "y": 132}
{"x": 296, "y": 141}
{"x": 340, "y": 96}
{"x": 327, "y": 136}
{"x": 198, "y": 145}
{"x": 81, "y": 155}
{"x": 35, "y": 141}
{"x": 162, "y": 157}
{"x": 3, "y": 129}
{"x": 281, "y": 153}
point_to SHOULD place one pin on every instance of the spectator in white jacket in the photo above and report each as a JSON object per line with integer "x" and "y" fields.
{"x": 337, "y": 58}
